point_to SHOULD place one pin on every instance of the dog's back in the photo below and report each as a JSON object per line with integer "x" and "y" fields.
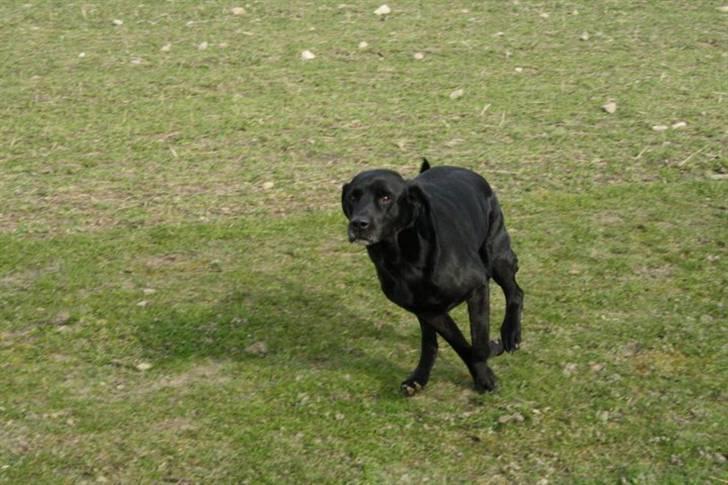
{"x": 462, "y": 204}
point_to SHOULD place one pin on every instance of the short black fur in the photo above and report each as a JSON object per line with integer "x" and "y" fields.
{"x": 436, "y": 241}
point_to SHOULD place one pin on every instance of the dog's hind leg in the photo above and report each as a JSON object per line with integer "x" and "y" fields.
{"x": 504, "y": 273}
{"x": 479, "y": 314}
{"x": 428, "y": 352}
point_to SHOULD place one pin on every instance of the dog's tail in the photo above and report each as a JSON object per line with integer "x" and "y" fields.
{"x": 425, "y": 165}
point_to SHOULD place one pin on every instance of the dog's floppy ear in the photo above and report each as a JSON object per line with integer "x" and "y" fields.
{"x": 344, "y": 196}
{"x": 416, "y": 200}
{"x": 425, "y": 165}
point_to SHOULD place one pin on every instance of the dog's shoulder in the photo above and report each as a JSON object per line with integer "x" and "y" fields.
{"x": 451, "y": 179}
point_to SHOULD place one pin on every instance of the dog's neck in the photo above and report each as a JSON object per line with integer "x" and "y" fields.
{"x": 412, "y": 245}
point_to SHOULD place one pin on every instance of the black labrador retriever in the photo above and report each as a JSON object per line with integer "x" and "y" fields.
{"x": 436, "y": 241}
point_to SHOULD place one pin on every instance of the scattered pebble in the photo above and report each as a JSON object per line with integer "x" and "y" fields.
{"x": 142, "y": 366}
{"x": 584, "y": 36}
{"x": 569, "y": 369}
{"x": 515, "y": 417}
{"x": 117, "y": 22}
{"x": 631, "y": 348}
{"x": 383, "y": 10}
{"x": 419, "y": 56}
{"x": 149, "y": 291}
{"x": 519, "y": 69}
{"x": 62, "y": 318}
{"x": 82, "y": 55}
{"x": 237, "y": 11}
{"x": 166, "y": 47}
{"x": 610, "y": 107}
{"x": 258, "y": 348}
{"x": 307, "y": 55}
{"x": 268, "y": 185}
{"x": 718, "y": 176}
{"x": 363, "y": 45}
{"x": 678, "y": 125}
{"x": 136, "y": 61}
{"x": 596, "y": 367}
{"x": 660, "y": 127}
{"x": 143, "y": 303}
{"x": 723, "y": 9}
{"x": 202, "y": 46}
{"x": 544, "y": 15}
{"x": 458, "y": 93}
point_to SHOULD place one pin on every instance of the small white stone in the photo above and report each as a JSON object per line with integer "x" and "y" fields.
{"x": 142, "y": 366}
{"x": 202, "y": 46}
{"x": 307, "y": 55}
{"x": 117, "y": 22}
{"x": 610, "y": 107}
{"x": 383, "y": 10}
{"x": 458, "y": 93}
{"x": 237, "y": 11}
{"x": 660, "y": 127}
{"x": 166, "y": 47}
{"x": 678, "y": 125}
{"x": 82, "y": 55}
{"x": 363, "y": 44}
{"x": 419, "y": 56}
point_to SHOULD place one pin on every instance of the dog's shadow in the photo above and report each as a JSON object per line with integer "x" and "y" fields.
{"x": 278, "y": 322}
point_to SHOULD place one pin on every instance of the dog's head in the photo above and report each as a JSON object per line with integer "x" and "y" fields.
{"x": 378, "y": 204}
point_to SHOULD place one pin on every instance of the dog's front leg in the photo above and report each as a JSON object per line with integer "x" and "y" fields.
{"x": 428, "y": 352}
{"x": 479, "y": 313}
{"x": 448, "y": 329}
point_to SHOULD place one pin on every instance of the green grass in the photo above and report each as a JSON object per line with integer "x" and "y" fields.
{"x": 138, "y": 225}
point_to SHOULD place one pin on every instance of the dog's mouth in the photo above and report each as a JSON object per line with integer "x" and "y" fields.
{"x": 358, "y": 238}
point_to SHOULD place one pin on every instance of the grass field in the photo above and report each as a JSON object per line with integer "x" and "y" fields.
{"x": 178, "y": 300}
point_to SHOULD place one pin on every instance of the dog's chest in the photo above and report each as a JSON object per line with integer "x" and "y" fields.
{"x": 404, "y": 285}
{"x": 413, "y": 288}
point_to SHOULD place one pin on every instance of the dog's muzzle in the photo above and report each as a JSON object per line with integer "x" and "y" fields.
{"x": 360, "y": 231}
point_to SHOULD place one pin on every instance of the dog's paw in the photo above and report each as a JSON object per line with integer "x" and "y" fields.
{"x": 411, "y": 386}
{"x": 484, "y": 378}
{"x": 495, "y": 348}
{"x": 511, "y": 337}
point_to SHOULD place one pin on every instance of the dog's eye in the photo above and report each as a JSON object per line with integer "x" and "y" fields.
{"x": 385, "y": 199}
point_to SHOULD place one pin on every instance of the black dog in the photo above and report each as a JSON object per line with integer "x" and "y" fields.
{"x": 436, "y": 241}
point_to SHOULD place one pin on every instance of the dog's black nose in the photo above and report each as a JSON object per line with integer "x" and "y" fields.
{"x": 360, "y": 223}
